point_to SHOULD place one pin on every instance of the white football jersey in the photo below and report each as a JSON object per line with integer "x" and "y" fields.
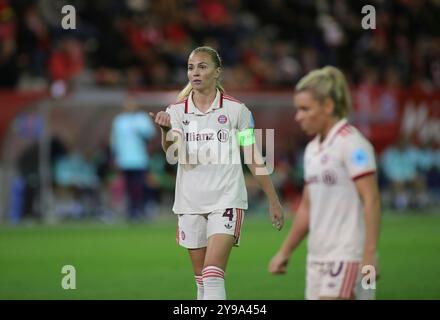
{"x": 209, "y": 174}
{"x": 336, "y": 226}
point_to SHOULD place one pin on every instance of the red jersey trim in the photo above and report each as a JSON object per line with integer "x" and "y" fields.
{"x": 232, "y": 99}
{"x": 343, "y": 131}
{"x": 343, "y": 128}
{"x": 219, "y": 107}
{"x": 186, "y": 105}
{"x": 361, "y": 175}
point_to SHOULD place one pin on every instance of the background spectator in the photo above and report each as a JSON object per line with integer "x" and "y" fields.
{"x": 130, "y": 131}
{"x": 402, "y": 167}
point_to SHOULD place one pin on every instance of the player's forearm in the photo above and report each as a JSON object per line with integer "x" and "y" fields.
{"x": 264, "y": 181}
{"x": 257, "y": 167}
{"x": 297, "y": 233}
{"x": 372, "y": 223}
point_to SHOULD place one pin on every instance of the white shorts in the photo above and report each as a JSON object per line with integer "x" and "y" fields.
{"x": 336, "y": 279}
{"x": 193, "y": 230}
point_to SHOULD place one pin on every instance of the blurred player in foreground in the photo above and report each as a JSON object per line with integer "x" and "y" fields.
{"x": 340, "y": 208}
{"x": 210, "y": 196}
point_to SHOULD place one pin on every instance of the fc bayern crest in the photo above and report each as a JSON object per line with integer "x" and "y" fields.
{"x": 222, "y": 119}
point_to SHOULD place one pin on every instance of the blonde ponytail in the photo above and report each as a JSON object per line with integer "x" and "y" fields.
{"x": 220, "y": 87}
{"x": 185, "y": 92}
{"x": 328, "y": 82}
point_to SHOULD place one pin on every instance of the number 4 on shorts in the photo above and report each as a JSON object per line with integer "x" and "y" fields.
{"x": 229, "y": 213}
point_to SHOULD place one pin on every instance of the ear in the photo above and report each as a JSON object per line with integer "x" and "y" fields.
{"x": 329, "y": 106}
{"x": 218, "y": 71}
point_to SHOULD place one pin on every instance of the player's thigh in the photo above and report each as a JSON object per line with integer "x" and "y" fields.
{"x": 226, "y": 221}
{"x": 340, "y": 280}
{"x": 191, "y": 231}
{"x": 314, "y": 274}
{"x": 223, "y": 231}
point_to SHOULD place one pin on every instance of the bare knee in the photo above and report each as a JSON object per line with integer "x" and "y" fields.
{"x": 218, "y": 251}
{"x": 197, "y": 259}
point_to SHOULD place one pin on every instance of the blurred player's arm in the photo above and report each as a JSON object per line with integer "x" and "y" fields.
{"x": 255, "y": 163}
{"x": 369, "y": 193}
{"x": 297, "y": 233}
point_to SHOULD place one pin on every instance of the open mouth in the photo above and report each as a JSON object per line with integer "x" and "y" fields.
{"x": 197, "y": 82}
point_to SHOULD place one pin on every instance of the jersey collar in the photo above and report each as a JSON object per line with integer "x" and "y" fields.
{"x": 216, "y": 104}
{"x": 332, "y": 133}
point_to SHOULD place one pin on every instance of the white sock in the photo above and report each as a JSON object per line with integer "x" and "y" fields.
{"x": 213, "y": 283}
{"x": 199, "y": 283}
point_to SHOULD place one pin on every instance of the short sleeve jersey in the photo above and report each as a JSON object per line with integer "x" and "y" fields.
{"x": 209, "y": 174}
{"x": 336, "y": 226}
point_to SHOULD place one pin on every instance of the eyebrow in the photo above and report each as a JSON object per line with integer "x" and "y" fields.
{"x": 190, "y": 64}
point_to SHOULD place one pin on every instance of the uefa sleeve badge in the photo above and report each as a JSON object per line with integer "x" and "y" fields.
{"x": 359, "y": 158}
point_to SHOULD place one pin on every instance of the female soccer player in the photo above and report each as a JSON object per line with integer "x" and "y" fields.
{"x": 340, "y": 208}
{"x": 209, "y": 127}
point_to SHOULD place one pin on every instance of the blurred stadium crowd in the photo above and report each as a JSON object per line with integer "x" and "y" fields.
{"x": 264, "y": 45}
{"x": 138, "y": 43}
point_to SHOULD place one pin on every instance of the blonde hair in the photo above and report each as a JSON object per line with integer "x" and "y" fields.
{"x": 218, "y": 64}
{"x": 328, "y": 82}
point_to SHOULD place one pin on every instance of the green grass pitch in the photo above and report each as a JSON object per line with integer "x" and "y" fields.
{"x": 144, "y": 262}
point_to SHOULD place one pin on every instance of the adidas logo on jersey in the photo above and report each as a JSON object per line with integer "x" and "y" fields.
{"x": 185, "y": 122}
{"x": 228, "y": 226}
